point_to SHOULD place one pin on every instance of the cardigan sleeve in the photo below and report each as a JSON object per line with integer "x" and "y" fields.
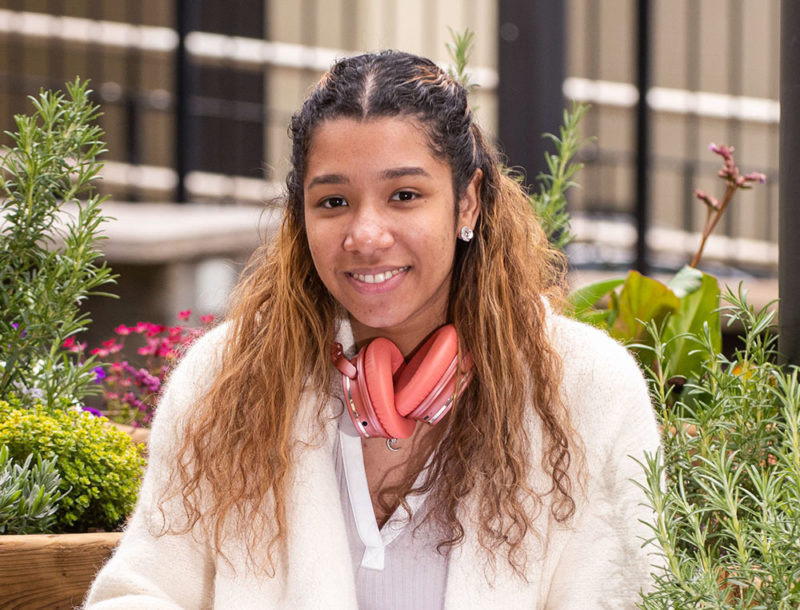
{"x": 148, "y": 569}
{"x": 604, "y": 562}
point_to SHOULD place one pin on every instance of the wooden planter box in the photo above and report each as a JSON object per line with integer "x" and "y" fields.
{"x": 51, "y": 570}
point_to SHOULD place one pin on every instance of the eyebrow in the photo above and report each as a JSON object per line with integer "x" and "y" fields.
{"x": 387, "y": 174}
{"x": 328, "y": 179}
{"x": 400, "y": 172}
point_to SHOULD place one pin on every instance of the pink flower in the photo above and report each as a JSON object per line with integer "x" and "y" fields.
{"x": 710, "y": 201}
{"x": 139, "y": 387}
{"x": 155, "y": 329}
{"x": 755, "y": 177}
{"x": 72, "y": 345}
{"x": 724, "y": 151}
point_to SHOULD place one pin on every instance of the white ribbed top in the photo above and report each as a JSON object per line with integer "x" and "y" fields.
{"x": 396, "y": 567}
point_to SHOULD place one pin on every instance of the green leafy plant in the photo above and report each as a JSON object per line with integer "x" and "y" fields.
{"x": 685, "y": 306}
{"x": 49, "y": 257}
{"x": 726, "y": 491}
{"x": 29, "y": 494}
{"x": 460, "y": 50}
{"x": 100, "y": 467}
{"x": 550, "y": 202}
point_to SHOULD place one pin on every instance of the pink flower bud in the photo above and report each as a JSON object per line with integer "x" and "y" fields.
{"x": 710, "y": 201}
{"x": 724, "y": 151}
{"x": 755, "y": 177}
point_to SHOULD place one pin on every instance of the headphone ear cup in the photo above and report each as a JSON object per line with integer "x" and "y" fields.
{"x": 415, "y": 382}
{"x": 377, "y": 365}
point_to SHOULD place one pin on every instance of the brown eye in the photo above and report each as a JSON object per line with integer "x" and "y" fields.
{"x": 333, "y": 202}
{"x": 404, "y": 196}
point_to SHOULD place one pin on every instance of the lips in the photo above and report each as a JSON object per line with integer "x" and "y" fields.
{"x": 377, "y": 278}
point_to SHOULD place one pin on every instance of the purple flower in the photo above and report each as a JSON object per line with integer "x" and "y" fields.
{"x": 143, "y": 378}
{"x": 94, "y": 412}
{"x": 24, "y": 331}
{"x": 99, "y": 374}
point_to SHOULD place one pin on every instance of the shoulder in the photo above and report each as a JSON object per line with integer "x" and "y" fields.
{"x": 602, "y": 384}
{"x": 584, "y": 348}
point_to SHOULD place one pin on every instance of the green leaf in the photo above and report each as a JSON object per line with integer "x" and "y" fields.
{"x": 686, "y": 281}
{"x": 582, "y": 300}
{"x": 641, "y": 300}
{"x": 697, "y": 309}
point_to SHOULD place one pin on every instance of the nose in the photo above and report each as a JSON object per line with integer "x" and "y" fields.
{"x": 369, "y": 231}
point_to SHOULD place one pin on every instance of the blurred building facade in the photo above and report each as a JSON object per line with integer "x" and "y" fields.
{"x": 197, "y": 95}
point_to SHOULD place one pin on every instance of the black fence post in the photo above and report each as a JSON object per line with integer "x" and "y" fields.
{"x": 789, "y": 185}
{"x": 642, "y": 178}
{"x": 531, "y": 70}
{"x": 186, "y": 12}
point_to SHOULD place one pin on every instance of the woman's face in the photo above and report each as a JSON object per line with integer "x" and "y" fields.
{"x": 381, "y": 225}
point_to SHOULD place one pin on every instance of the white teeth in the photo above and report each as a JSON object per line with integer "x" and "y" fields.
{"x": 378, "y": 278}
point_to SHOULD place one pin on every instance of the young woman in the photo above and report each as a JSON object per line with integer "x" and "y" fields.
{"x": 285, "y": 471}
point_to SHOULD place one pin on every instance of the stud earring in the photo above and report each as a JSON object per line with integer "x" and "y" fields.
{"x": 466, "y": 234}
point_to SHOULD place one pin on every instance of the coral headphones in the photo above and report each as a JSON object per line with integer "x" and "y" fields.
{"x": 386, "y": 395}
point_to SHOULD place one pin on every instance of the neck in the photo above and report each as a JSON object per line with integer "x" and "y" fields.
{"x": 406, "y": 339}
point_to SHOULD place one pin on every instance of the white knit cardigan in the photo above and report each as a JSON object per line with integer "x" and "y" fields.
{"x": 596, "y": 560}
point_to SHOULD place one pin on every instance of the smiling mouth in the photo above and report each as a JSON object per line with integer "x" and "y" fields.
{"x": 377, "y": 278}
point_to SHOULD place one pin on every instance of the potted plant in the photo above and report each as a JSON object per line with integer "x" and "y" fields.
{"x": 66, "y": 471}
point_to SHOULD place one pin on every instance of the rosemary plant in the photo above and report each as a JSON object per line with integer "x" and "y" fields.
{"x": 49, "y": 256}
{"x": 550, "y": 203}
{"x": 460, "y": 50}
{"x": 728, "y": 518}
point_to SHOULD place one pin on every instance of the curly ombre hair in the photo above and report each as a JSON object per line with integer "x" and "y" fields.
{"x": 240, "y": 443}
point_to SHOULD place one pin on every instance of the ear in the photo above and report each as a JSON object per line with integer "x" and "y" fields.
{"x": 469, "y": 206}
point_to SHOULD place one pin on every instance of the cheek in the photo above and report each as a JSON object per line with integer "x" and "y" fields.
{"x": 438, "y": 248}
{"x": 317, "y": 247}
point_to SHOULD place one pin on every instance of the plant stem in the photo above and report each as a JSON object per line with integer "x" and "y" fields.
{"x": 710, "y": 226}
